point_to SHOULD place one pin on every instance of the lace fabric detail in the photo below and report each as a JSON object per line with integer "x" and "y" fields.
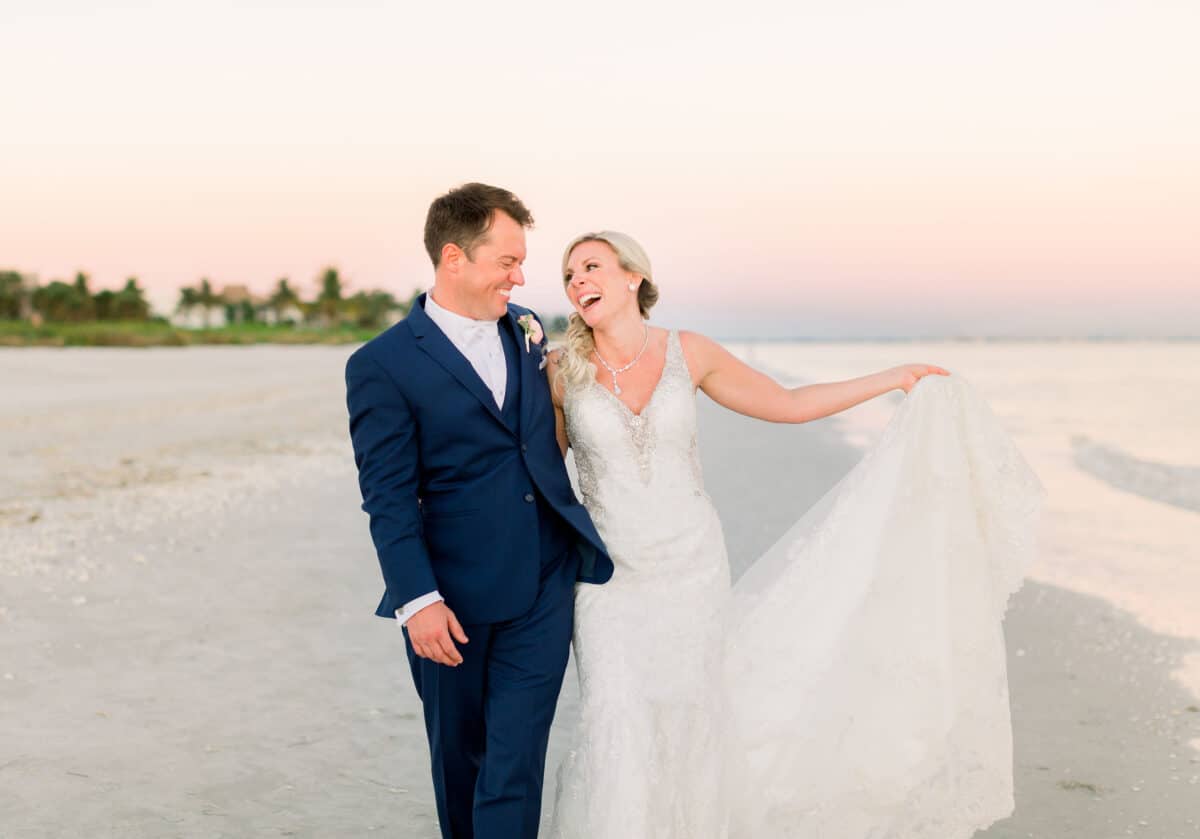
{"x": 647, "y": 643}
{"x": 892, "y": 589}
{"x": 619, "y": 452}
{"x": 852, "y": 685}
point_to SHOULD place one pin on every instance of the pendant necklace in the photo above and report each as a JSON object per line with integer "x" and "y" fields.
{"x": 636, "y": 358}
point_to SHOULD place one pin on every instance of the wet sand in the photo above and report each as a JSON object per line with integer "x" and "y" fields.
{"x": 187, "y": 645}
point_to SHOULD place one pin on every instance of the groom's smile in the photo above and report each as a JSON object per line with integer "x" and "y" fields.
{"x": 484, "y": 279}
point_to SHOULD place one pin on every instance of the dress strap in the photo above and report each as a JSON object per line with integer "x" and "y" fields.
{"x": 676, "y": 361}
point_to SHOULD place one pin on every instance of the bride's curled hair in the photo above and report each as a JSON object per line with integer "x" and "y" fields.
{"x": 574, "y": 364}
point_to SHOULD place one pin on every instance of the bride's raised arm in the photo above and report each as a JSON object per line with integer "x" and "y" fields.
{"x": 732, "y": 383}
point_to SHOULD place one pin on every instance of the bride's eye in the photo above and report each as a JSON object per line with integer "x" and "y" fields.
{"x": 591, "y": 265}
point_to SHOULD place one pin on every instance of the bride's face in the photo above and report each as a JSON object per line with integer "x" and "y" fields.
{"x": 597, "y": 285}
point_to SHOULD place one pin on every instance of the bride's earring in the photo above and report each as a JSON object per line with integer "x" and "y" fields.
{"x": 633, "y": 286}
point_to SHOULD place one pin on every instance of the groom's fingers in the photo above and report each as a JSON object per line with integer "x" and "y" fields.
{"x": 449, "y": 653}
{"x": 429, "y": 631}
{"x": 438, "y": 647}
{"x": 456, "y": 628}
{"x": 434, "y": 652}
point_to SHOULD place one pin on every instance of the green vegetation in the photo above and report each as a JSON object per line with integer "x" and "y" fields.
{"x": 160, "y": 333}
{"x": 61, "y": 314}
{"x": 70, "y": 314}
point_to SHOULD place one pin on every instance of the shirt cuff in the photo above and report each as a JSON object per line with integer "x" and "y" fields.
{"x": 413, "y": 606}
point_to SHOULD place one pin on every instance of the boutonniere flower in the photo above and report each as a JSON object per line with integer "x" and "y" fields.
{"x": 533, "y": 332}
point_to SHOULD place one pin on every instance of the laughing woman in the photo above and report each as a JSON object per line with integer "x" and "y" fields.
{"x": 717, "y": 711}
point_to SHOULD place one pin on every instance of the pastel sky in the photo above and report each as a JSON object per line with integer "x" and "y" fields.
{"x": 803, "y": 169}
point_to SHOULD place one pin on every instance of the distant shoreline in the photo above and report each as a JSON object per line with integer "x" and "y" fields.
{"x": 996, "y": 339}
{"x": 162, "y": 334}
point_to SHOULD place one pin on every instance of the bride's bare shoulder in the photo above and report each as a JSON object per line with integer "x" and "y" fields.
{"x": 694, "y": 341}
{"x": 700, "y": 352}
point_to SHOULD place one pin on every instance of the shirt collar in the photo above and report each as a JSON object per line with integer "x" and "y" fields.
{"x": 452, "y": 323}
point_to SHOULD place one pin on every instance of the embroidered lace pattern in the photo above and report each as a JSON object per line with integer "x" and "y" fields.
{"x": 852, "y": 685}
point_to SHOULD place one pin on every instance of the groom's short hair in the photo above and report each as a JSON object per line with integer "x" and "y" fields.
{"x": 465, "y": 214}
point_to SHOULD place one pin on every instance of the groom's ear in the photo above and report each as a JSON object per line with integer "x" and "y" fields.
{"x": 452, "y": 256}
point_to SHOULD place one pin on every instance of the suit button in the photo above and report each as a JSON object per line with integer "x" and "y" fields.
{"x": 524, "y": 447}
{"x": 529, "y": 497}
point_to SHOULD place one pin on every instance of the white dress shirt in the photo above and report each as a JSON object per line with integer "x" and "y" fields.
{"x": 479, "y": 341}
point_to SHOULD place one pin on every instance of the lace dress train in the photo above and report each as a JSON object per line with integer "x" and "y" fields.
{"x": 852, "y": 685}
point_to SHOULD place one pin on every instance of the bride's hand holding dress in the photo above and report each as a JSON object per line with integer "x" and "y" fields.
{"x": 851, "y": 685}
{"x": 735, "y": 385}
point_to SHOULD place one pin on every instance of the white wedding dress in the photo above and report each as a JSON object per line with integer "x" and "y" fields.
{"x": 851, "y": 685}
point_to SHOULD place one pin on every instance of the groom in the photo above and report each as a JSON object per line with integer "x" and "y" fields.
{"x": 478, "y": 533}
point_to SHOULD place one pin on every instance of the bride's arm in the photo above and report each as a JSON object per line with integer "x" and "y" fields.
{"x": 556, "y": 395}
{"x": 739, "y": 387}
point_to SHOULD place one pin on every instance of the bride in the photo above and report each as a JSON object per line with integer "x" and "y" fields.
{"x": 852, "y": 684}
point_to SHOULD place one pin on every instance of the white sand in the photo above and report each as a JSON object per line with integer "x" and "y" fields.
{"x": 187, "y": 645}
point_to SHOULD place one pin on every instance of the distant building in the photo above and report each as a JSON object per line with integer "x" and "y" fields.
{"x": 237, "y": 304}
{"x": 291, "y": 313}
{"x": 193, "y": 317}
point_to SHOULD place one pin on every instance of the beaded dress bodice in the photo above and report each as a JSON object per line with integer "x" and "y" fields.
{"x": 641, "y": 482}
{"x": 641, "y": 468}
{"x": 852, "y": 683}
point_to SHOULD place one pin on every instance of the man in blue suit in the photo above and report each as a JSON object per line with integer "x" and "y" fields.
{"x": 478, "y": 533}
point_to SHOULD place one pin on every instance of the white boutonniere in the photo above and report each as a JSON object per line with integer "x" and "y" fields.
{"x": 533, "y": 332}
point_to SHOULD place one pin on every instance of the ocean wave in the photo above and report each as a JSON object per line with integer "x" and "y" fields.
{"x": 1169, "y": 483}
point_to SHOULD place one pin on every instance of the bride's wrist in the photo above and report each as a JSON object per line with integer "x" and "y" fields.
{"x": 893, "y": 379}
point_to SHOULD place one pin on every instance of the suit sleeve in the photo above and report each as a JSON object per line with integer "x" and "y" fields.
{"x": 383, "y": 432}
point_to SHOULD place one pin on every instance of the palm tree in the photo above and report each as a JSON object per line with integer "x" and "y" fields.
{"x": 369, "y": 309}
{"x": 329, "y": 300}
{"x": 59, "y": 301}
{"x": 130, "y": 302}
{"x": 188, "y": 299}
{"x": 55, "y": 301}
{"x": 283, "y": 297}
{"x": 105, "y": 301}
{"x": 207, "y": 298}
{"x": 82, "y": 306}
{"x": 12, "y": 295}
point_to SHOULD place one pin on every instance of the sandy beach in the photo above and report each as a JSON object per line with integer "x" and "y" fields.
{"x": 187, "y": 644}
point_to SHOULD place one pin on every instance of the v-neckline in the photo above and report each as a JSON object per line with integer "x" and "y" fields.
{"x": 653, "y": 393}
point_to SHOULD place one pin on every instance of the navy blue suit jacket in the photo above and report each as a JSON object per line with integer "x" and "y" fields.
{"x": 447, "y": 483}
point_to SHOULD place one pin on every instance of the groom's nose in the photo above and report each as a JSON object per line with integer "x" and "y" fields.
{"x": 517, "y": 276}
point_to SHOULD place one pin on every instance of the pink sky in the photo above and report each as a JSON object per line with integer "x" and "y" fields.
{"x": 1027, "y": 169}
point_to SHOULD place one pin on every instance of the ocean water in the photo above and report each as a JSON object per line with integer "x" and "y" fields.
{"x": 1113, "y": 431}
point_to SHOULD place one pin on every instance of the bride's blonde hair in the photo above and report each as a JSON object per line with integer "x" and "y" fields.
{"x": 574, "y": 364}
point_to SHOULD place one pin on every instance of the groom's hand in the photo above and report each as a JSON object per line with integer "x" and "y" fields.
{"x": 430, "y": 630}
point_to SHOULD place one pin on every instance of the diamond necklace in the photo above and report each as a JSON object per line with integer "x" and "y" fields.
{"x": 636, "y": 359}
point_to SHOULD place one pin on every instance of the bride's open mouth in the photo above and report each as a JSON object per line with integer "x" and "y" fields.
{"x": 588, "y": 300}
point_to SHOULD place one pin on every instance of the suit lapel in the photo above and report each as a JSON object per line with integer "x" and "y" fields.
{"x": 434, "y": 343}
{"x": 527, "y": 368}
{"x": 512, "y": 364}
